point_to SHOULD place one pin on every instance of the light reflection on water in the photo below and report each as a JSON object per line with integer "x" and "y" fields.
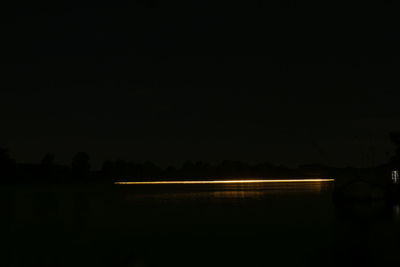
{"x": 228, "y": 191}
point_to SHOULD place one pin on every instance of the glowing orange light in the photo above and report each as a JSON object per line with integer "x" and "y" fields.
{"x": 231, "y": 181}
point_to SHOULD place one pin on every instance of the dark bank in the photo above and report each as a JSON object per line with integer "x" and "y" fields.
{"x": 61, "y": 216}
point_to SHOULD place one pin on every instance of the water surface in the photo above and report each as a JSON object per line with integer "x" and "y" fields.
{"x": 279, "y": 224}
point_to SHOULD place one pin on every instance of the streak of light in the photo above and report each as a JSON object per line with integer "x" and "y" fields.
{"x": 229, "y": 181}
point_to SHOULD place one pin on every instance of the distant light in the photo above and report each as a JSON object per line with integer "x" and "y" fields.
{"x": 395, "y": 177}
{"x": 230, "y": 181}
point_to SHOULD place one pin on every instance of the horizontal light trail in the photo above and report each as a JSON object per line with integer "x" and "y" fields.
{"x": 231, "y": 181}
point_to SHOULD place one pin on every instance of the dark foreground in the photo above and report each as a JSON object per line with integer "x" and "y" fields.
{"x": 194, "y": 225}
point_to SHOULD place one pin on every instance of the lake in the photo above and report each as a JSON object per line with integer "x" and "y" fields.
{"x": 235, "y": 224}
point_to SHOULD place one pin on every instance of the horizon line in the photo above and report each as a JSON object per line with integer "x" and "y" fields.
{"x": 228, "y": 181}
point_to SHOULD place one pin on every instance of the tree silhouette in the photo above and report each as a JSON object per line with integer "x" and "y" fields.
{"x": 48, "y": 160}
{"x": 108, "y": 169}
{"x": 150, "y": 170}
{"x": 7, "y": 166}
{"x": 48, "y": 167}
{"x": 170, "y": 172}
{"x": 187, "y": 170}
{"x": 395, "y": 138}
{"x": 81, "y": 166}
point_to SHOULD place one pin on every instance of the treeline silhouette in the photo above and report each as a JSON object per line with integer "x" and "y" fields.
{"x": 120, "y": 170}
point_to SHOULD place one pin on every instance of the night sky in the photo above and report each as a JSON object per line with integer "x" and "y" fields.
{"x": 288, "y": 82}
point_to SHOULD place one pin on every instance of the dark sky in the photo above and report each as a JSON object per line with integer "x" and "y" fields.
{"x": 289, "y": 82}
